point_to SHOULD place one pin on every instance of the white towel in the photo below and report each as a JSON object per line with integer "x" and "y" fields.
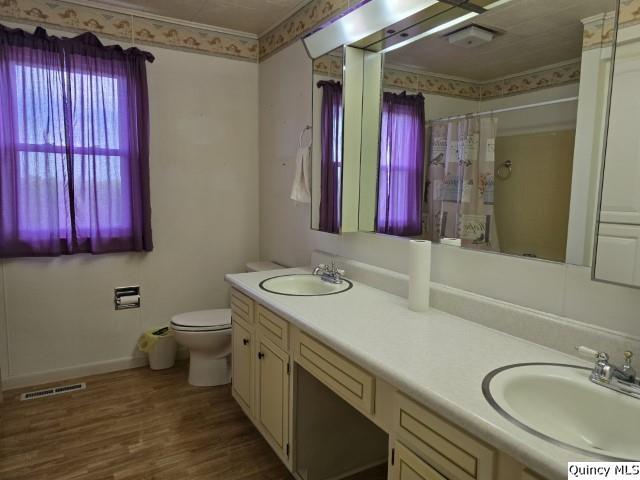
{"x": 301, "y": 189}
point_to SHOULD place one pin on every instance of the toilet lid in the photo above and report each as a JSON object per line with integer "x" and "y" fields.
{"x": 203, "y": 320}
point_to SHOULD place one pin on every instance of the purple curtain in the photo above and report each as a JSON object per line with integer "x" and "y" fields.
{"x": 74, "y": 146}
{"x": 402, "y": 144}
{"x": 331, "y": 156}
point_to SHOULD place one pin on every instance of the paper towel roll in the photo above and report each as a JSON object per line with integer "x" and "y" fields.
{"x": 419, "y": 275}
{"x": 129, "y": 300}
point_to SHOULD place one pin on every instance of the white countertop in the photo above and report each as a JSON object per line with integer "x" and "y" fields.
{"x": 438, "y": 359}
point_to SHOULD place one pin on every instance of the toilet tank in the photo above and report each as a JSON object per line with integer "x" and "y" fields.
{"x": 262, "y": 266}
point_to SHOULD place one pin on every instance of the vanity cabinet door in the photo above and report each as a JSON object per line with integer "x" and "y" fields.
{"x": 273, "y": 395}
{"x": 408, "y": 466}
{"x": 242, "y": 361}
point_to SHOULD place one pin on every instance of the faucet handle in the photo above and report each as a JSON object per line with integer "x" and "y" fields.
{"x": 591, "y": 353}
{"x": 628, "y": 355}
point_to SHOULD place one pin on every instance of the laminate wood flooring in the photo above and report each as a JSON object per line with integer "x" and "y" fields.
{"x": 136, "y": 425}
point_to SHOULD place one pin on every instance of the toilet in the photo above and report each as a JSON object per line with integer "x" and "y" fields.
{"x": 207, "y": 336}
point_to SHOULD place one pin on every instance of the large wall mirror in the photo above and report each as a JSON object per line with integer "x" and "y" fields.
{"x": 490, "y": 129}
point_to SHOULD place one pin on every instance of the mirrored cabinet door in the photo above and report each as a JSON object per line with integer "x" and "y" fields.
{"x": 335, "y": 151}
{"x": 617, "y": 257}
{"x": 326, "y": 154}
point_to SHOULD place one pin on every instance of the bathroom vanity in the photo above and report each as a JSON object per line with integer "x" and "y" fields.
{"x": 416, "y": 378}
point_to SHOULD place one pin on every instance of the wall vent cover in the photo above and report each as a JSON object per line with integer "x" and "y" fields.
{"x": 50, "y": 392}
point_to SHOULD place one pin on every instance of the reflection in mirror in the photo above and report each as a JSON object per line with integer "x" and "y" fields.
{"x": 327, "y": 148}
{"x": 617, "y": 257}
{"x": 401, "y": 167}
{"x": 506, "y": 158}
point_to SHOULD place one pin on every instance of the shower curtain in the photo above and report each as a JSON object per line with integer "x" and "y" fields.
{"x": 460, "y": 180}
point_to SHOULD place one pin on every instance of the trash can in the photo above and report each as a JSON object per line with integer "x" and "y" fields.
{"x": 160, "y": 345}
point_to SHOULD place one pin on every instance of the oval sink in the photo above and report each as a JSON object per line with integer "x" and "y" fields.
{"x": 303, "y": 285}
{"x": 560, "y": 404}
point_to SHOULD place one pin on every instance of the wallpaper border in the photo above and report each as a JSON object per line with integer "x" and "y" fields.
{"x": 139, "y": 29}
{"x": 555, "y": 76}
{"x": 129, "y": 28}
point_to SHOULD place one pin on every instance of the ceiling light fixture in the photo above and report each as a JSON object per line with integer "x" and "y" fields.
{"x": 470, "y": 36}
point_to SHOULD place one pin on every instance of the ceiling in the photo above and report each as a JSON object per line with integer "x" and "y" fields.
{"x": 252, "y": 16}
{"x": 534, "y": 34}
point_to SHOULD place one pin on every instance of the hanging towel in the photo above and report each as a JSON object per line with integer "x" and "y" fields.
{"x": 301, "y": 189}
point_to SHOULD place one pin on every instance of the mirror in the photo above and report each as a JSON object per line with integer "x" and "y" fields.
{"x": 326, "y": 145}
{"x": 617, "y": 255}
{"x": 490, "y": 129}
{"x": 337, "y": 129}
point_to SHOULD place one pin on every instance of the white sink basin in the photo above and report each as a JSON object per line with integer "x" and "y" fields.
{"x": 560, "y": 404}
{"x": 303, "y": 285}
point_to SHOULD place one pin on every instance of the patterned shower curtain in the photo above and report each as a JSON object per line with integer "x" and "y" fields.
{"x": 460, "y": 180}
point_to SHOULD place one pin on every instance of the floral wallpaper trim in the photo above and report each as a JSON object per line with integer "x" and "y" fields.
{"x": 130, "y": 28}
{"x": 166, "y": 34}
{"x": 546, "y": 78}
{"x": 170, "y": 35}
{"x": 429, "y": 83}
{"x": 629, "y": 12}
{"x": 436, "y": 85}
{"x": 328, "y": 65}
{"x": 598, "y": 32}
{"x": 303, "y": 21}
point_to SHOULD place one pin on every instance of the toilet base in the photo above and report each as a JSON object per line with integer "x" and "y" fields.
{"x": 208, "y": 371}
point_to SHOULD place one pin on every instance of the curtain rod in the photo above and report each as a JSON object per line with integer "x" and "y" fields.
{"x": 508, "y": 109}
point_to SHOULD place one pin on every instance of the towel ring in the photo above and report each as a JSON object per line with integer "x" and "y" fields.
{"x": 504, "y": 170}
{"x": 304, "y": 130}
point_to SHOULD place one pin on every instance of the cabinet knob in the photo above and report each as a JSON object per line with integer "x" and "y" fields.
{"x": 245, "y": 341}
{"x": 260, "y": 355}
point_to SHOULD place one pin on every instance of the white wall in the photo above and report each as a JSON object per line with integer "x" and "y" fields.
{"x": 204, "y": 194}
{"x": 285, "y": 100}
{"x": 285, "y": 109}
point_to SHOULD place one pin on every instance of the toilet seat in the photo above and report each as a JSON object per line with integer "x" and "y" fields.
{"x": 202, "y": 321}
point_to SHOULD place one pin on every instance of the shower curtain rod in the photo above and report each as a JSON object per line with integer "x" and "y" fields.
{"x": 508, "y": 109}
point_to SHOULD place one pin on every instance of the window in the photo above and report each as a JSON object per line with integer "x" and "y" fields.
{"x": 401, "y": 168}
{"x": 331, "y": 156}
{"x": 73, "y": 146}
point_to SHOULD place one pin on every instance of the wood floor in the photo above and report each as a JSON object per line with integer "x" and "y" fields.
{"x": 136, "y": 425}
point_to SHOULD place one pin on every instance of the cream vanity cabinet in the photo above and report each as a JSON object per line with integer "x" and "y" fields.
{"x": 261, "y": 369}
{"x": 422, "y": 444}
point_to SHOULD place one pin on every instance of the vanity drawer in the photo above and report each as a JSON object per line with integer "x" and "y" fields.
{"x": 273, "y": 327}
{"x": 460, "y": 455}
{"x": 349, "y": 381}
{"x": 408, "y": 466}
{"x": 241, "y": 306}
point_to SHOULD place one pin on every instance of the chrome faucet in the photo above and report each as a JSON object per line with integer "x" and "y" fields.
{"x": 331, "y": 274}
{"x": 621, "y": 379}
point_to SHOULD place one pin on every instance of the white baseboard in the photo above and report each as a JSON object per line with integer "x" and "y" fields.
{"x": 31, "y": 379}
